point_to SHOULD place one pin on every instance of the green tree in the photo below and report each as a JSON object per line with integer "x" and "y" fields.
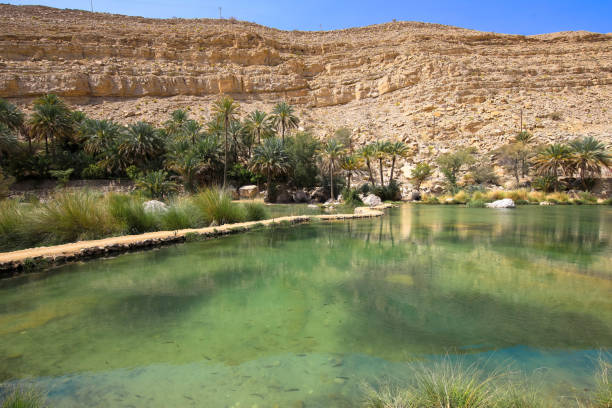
{"x": 175, "y": 126}
{"x": 589, "y": 156}
{"x": 421, "y": 172}
{"x": 50, "y": 120}
{"x": 368, "y": 154}
{"x": 397, "y": 149}
{"x": 514, "y": 158}
{"x": 331, "y": 153}
{"x": 156, "y": 184}
{"x": 381, "y": 151}
{"x": 270, "y": 159}
{"x": 226, "y": 111}
{"x": 8, "y": 140}
{"x": 450, "y": 165}
{"x": 100, "y": 135}
{"x": 350, "y": 163}
{"x": 189, "y": 166}
{"x": 555, "y": 158}
{"x": 284, "y": 117}
{"x": 141, "y": 144}
{"x": 259, "y": 124}
{"x": 191, "y": 130}
{"x": 302, "y": 150}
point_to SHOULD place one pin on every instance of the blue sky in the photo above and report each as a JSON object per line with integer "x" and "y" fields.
{"x": 514, "y": 17}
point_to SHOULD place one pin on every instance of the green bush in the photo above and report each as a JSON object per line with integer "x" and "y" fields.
{"x": 20, "y": 397}
{"x": 181, "y": 214}
{"x": 217, "y": 208}
{"x": 476, "y": 203}
{"x": 62, "y": 176}
{"x": 544, "y": 183}
{"x": 351, "y": 197}
{"x": 129, "y": 212}
{"x": 68, "y": 217}
{"x": 587, "y": 197}
{"x": 255, "y": 212}
{"x": 93, "y": 171}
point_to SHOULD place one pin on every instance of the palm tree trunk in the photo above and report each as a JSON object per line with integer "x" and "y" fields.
{"x": 392, "y": 169}
{"x": 283, "y": 128}
{"x": 225, "y": 160}
{"x": 370, "y": 171}
{"x": 269, "y": 188}
{"x": 382, "y": 181}
{"x": 349, "y": 180}
{"x": 46, "y": 144}
{"x": 331, "y": 179}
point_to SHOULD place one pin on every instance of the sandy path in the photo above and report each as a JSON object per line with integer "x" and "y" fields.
{"x": 76, "y": 247}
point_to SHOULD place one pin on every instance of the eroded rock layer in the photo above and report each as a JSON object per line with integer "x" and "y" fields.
{"x": 431, "y": 85}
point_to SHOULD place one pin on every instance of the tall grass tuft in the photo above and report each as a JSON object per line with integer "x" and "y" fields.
{"x": 451, "y": 383}
{"x": 255, "y": 212}
{"x": 21, "y": 397}
{"x": 181, "y": 214}
{"x": 129, "y": 212}
{"x": 217, "y": 208}
{"x": 13, "y": 224}
{"x": 603, "y": 393}
{"x": 72, "y": 216}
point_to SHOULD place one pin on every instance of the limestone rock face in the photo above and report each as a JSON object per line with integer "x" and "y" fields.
{"x": 435, "y": 87}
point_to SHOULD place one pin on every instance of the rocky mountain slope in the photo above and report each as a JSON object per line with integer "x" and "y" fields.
{"x": 433, "y": 86}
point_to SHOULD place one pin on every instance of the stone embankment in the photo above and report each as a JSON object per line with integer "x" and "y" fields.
{"x": 26, "y": 260}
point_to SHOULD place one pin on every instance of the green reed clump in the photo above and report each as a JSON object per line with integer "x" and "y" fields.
{"x": 13, "y": 224}
{"x": 72, "y": 216}
{"x": 217, "y": 208}
{"x": 181, "y": 214}
{"x": 451, "y": 383}
{"x": 255, "y": 211}
{"x": 603, "y": 393}
{"x": 129, "y": 212}
{"x": 22, "y": 397}
{"x": 475, "y": 203}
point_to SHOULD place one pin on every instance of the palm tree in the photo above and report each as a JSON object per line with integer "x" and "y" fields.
{"x": 367, "y": 152}
{"x": 190, "y": 166}
{"x": 283, "y": 116}
{"x": 236, "y": 130}
{"x": 8, "y": 140}
{"x": 99, "y": 135}
{"x": 226, "y": 110}
{"x": 331, "y": 152}
{"x": 553, "y": 158}
{"x": 178, "y": 118}
{"x": 141, "y": 144}
{"x": 350, "y": 163}
{"x": 589, "y": 156}
{"x": 191, "y": 130}
{"x": 381, "y": 151}
{"x": 397, "y": 149}
{"x": 10, "y": 115}
{"x": 50, "y": 120}
{"x": 271, "y": 160}
{"x": 258, "y": 123}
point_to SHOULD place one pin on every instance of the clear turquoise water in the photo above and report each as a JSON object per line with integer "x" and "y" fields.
{"x": 307, "y": 314}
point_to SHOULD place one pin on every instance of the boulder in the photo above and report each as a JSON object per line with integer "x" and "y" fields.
{"x": 301, "y": 196}
{"x": 371, "y": 200}
{"x": 248, "y": 192}
{"x": 414, "y": 195}
{"x": 318, "y": 195}
{"x": 505, "y": 203}
{"x": 547, "y": 203}
{"x": 154, "y": 206}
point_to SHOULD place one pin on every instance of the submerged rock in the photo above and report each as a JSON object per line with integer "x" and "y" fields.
{"x": 154, "y": 206}
{"x": 505, "y": 203}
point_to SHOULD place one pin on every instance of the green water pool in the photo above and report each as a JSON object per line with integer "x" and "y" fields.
{"x": 305, "y": 315}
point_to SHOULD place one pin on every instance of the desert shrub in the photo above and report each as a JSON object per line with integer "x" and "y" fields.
{"x": 22, "y": 397}
{"x": 544, "y": 183}
{"x": 62, "y": 176}
{"x": 483, "y": 174}
{"x": 536, "y": 196}
{"x": 351, "y": 197}
{"x": 560, "y": 198}
{"x": 495, "y": 195}
{"x": 460, "y": 198}
{"x": 217, "y": 208}
{"x": 450, "y": 164}
{"x": 129, "y": 212}
{"x": 587, "y": 197}
{"x": 475, "y": 203}
{"x": 517, "y": 195}
{"x": 255, "y": 212}
{"x": 71, "y": 217}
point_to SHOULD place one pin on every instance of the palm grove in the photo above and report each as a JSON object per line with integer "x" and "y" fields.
{"x": 259, "y": 147}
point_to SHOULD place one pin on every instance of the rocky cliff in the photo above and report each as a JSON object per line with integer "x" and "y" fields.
{"x": 434, "y": 86}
